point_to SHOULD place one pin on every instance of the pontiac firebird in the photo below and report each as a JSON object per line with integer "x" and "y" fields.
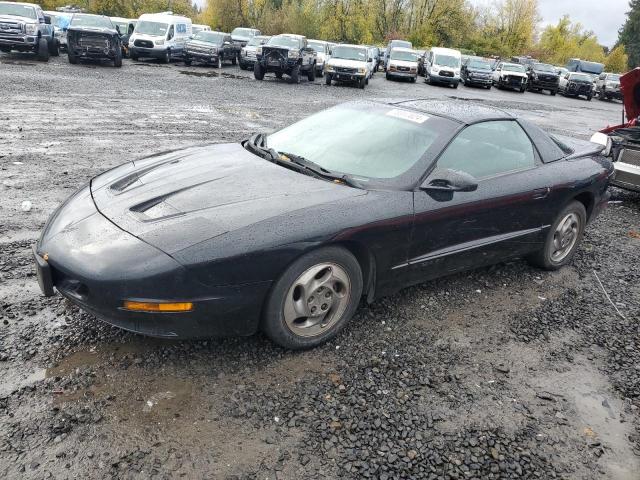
{"x": 287, "y": 232}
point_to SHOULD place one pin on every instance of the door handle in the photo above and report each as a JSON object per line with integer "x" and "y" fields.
{"x": 540, "y": 193}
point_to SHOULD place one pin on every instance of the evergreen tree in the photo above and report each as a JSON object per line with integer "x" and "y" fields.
{"x": 630, "y": 34}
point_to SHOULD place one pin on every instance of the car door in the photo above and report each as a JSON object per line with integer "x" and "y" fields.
{"x": 504, "y": 217}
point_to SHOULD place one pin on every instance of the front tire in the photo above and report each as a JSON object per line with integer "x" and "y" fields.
{"x": 43, "y": 50}
{"x": 295, "y": 74}
{"x": 258, "y": 72}
{"x": 219, "y": 62}
{"x": 54, "y": 48}
{"x": 72, "y": 58}
{"x": 327, "y": 79}
{"x": 563, "y": 238}
{"x": 117, "y": 61}
{"x": 313, "y": 299}
{"x": 311, "y": 74}
{"x": 167, "y": 57}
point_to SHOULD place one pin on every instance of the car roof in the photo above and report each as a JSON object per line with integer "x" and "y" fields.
{"x": 447, "y": 51}
{"x": 464, "y": 112}
{"x": 511, "y": 64}
{"x": 290, "y": 35}
{"x": 350, "y": 45}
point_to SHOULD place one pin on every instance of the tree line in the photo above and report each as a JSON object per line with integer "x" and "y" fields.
{"x": 504, "y": 28}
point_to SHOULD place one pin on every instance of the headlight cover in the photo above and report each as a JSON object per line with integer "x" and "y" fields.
{"x": 30, "y": 29}
{"x": 293, "y": 54}
{"x": 259, "y": 51}
{"x": 159, "y": 42}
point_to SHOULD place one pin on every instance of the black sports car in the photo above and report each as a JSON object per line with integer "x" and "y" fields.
{"x": 93, "y": 37}
{"x": 285, "y": 233}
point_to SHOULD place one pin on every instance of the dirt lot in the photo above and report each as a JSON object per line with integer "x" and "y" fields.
{"x": 505, "y": 372}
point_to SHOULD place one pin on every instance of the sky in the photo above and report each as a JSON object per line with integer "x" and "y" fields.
{"x": 603, "y": 17}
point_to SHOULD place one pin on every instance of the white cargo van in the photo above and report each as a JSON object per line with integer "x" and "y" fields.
{"x": 442, "y": 65}
{"x": 160, "y": 35}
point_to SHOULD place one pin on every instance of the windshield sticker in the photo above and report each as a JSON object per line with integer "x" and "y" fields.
{"x": 405, "y": 115}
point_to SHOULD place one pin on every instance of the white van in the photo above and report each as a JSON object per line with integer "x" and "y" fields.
{"x": 442, "y": 65}
{"x": 200, "y": 28}
{"x": 160, "y": 35}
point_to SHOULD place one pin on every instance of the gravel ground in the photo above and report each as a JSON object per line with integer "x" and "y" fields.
{"x": 503, "y": 372}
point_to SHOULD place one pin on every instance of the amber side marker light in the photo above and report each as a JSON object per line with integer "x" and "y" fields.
{"x": 158, "y": 307}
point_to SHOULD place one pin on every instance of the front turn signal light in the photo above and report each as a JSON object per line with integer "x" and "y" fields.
{"x": 159, "y": 307}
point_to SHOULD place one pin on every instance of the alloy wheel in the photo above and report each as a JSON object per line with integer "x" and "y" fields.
{"x": 317, "y": 299}
{"x": 565, "y": 237}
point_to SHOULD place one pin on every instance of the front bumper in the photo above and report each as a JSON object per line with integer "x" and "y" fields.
{"x": 18, "y": 42}
{"x": 436, "y": 78}
{"x": 344, "y": 76}
{"x": 541, "y": 85}
{"x": 626, "y": 176}
{"x": 202, "y": 57}
{"x": 615, "y": 94}
{"x": 92, "y": 53}
{"x": 147, "y": 52}
{"x": 478, "y": 81}
{"x": 271, "y": 65}
{"x": 97, "y": 266}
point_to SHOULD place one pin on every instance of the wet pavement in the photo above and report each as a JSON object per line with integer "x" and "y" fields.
{"x": 504, "y": 372}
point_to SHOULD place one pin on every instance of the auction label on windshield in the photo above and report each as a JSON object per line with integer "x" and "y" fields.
{"x": 406, "y": 115}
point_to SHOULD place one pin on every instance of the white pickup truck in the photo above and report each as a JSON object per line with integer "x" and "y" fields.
{"x": 24, "y": 28}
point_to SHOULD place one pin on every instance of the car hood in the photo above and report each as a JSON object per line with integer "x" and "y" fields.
{"x": 478, "y": 70}
{"x": 630, "y": 86}
{"x": 403, "y": 63}
{"x": 514, "y": 74}
{"x": 105, "y": 31}
{"x": 341, "y": 62}
{"x": 200, "y": 43}
{"x": 16, "y": 18}
{"x": 178, "y": 199}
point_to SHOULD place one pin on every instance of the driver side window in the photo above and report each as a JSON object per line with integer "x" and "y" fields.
{"x": 488, "y": 149}
{"x": 170, "y": 34}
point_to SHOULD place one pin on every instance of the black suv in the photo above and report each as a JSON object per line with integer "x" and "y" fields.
{"x": 210, "y": 48}
{"x": 93, "y": 37}
{"x": 476, "y": 71}
{"x": 543, "y": 77}
{"x": 286, "y": 54}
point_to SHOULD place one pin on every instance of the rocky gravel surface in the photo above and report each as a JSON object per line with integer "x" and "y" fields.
{"x": 503, "y": 372}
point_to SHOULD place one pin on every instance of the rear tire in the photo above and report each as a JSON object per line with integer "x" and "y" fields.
{"x": 328, "y": 276}
{"x": 43, "y": 50}
{"x": 258, "y": 72}
{"x": 552, "y": 256}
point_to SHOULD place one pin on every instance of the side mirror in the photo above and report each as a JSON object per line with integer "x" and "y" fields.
{"x": 370, "y": 59}
{"x": 118, "y": 29}
{"x": 447, "y": 180}
{"x": 46, "y": 20}
{"x": 604, "y": 140}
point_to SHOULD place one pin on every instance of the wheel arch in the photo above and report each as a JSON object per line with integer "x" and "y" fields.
{"x": 587, "y": 199}
{"x": 367, "y": 263}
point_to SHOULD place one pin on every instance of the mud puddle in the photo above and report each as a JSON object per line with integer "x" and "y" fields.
{"x": 212, "y": 74}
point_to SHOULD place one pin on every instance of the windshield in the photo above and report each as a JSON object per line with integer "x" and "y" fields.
{"x": 447, "y": 61}
{"x": 256, "y": 41}
{"x": 154, "y": 29}
{"x": 511, "y": 67}
{"x": 543, "y": 67}
{"x": 242, "y": 32}
{"x": 349, "y": 53}
{"x": 400, "y": 43}
{"x": 94, "y": 21}
{"x": 317, "y": 46}
{"x": 282, "y": 41}
{"x": 583, "y": 77}
{"x": 403, "y": 55}
{"x": 211, "y": 37}
{"x": 124, "y": 27}
{"x": 479, "y": 65}
{"x": 613, "y": 78}
{"x": 17, "y": 10}
{"x": 373, "y": 141}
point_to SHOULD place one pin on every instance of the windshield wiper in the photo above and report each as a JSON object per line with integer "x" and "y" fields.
{"x": 321, "y": 171}
{"x": 256, "y": 144}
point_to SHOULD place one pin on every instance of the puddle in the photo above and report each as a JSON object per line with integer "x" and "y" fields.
{"x": 212, "y": 74}
{"x": 597, "y": 417}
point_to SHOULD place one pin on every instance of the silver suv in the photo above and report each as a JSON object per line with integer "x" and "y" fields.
{"x": 24, "y": 27}
{"x": 608, "y": 86}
